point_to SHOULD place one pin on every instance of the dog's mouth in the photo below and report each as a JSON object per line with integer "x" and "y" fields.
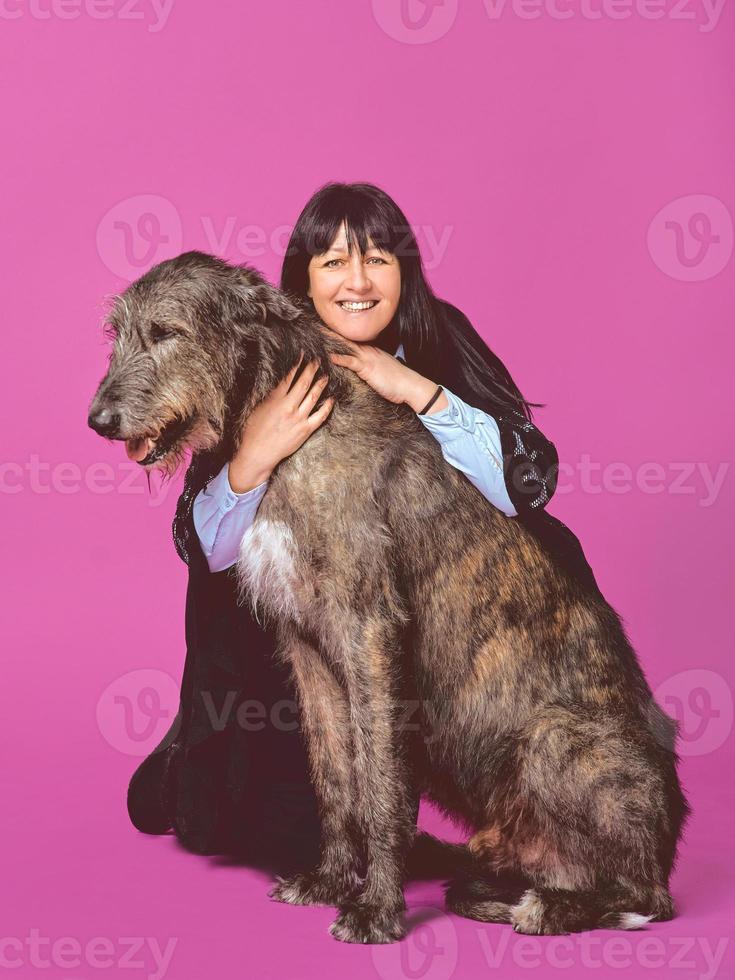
{"x": 149, "y": 449}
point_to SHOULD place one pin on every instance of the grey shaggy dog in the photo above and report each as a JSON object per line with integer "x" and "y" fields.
{"x": 437, "y": 649}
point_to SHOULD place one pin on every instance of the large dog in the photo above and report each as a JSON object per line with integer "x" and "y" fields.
{"x": 401, "y": 595}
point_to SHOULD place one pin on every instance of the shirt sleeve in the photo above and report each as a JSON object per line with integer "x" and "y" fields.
{"x": 470, "y": 441}
{"x": 221, "y": 518}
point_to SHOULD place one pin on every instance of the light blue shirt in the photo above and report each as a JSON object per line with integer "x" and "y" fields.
{"x": 470, "y": 441}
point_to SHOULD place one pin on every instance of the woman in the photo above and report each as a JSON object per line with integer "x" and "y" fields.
{"x": 232, "y": 773}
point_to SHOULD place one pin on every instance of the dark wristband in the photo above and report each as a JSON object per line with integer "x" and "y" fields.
{"x": 431, "y": 400}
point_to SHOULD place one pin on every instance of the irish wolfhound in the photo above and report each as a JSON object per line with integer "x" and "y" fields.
{"x": 394, "y": 583}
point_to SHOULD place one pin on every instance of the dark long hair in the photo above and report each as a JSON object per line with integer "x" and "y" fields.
{"x": 438, "y": 339}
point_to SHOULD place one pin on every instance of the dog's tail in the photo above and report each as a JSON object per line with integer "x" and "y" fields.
{"x": 431, "y": 858}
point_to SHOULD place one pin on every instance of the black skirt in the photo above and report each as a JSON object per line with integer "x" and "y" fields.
{"x": 231, "y": 776}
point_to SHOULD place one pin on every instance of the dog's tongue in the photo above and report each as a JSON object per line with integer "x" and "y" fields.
{"x": 138, "y": 449}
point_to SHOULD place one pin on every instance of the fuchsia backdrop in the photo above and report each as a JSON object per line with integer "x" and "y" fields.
{"x": 569, "y": 171}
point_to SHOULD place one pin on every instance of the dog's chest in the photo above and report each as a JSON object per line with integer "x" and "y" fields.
{"x": 267, "y": 566}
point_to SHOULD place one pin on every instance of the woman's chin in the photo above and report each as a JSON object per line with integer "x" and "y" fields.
{"x": 358, "y": 327}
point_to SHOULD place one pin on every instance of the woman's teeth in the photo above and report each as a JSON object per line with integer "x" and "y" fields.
{"x": 356, "y": 307}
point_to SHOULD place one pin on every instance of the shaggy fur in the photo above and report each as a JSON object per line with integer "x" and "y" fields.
{"x": 435, "y": 646}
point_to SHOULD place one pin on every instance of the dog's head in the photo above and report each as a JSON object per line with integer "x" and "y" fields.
{"x": 196, "y": 343}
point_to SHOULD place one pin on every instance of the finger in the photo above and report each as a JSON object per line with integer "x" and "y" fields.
{"x": 290, "y": 376}
{"x": 312, "y": 395}
{"x": 317, "y": 417}
{"x": 303, "y": 383}
{"x": 342, "y": 358}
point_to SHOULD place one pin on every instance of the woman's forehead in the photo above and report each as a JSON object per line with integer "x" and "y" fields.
{"x": 340, "y": 243}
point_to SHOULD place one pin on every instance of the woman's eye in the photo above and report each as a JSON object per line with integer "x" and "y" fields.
{"x": 332, "y": 263}
{"x": 377, "y": 258}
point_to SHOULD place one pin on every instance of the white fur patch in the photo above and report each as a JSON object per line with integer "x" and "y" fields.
{"x": 267, "y": 566}
{"x": 528, "y": 914}
{"x": 632, "y": 920}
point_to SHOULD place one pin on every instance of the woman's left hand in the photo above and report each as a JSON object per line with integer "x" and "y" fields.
{"x": 392, "y": 379}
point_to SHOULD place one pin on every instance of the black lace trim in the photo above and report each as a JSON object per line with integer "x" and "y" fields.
{"x": 531, "y": 463}
{"x": 203, "y": 468}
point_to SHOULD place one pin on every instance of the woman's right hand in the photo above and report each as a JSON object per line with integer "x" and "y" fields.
{"x": 278, "y": 426}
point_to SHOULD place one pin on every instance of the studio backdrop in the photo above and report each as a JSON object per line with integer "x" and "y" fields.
{"x": 567, "y": 169}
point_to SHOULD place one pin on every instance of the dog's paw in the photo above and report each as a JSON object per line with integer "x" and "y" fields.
{"x": 528, "y": 916}
{"x": 363, "y": 924}
{"x": 309, "y": 888}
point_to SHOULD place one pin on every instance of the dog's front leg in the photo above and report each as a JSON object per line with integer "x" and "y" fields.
{"x": 326, "y": 723}
{"x": 385, "y": 797}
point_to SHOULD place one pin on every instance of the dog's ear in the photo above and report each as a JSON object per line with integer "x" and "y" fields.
{"x": 263, "y": 303}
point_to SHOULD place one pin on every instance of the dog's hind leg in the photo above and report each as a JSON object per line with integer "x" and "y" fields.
{"x": 597, "y": 813}
{"x": 555, "y": 911}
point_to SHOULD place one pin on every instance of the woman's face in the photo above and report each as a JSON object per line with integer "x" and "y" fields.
{"x": 356, "y": 295}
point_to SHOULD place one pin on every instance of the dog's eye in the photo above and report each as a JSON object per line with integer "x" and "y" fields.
{"x": 160, "y": 332}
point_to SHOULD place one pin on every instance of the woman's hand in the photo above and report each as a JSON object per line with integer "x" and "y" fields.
{"x": 392, "y": 379}
{"x": 278, "y": 426}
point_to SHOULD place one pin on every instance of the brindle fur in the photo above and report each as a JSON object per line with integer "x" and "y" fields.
{"x": 393, "y": 582}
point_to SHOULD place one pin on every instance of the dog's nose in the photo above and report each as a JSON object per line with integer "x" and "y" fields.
{"x": 105, "y": 422}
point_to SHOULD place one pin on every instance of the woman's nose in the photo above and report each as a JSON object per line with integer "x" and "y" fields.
{"x": 357, "y": 277}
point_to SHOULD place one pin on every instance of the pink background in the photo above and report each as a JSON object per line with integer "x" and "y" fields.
{"x": 579, "y": 173}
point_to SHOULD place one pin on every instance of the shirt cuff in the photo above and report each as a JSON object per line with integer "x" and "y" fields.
{"x": 225, "y": 497}
{"x": 451, "y": 422}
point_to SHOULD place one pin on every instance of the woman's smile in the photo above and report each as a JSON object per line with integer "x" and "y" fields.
{"x": 355, "y": 306}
